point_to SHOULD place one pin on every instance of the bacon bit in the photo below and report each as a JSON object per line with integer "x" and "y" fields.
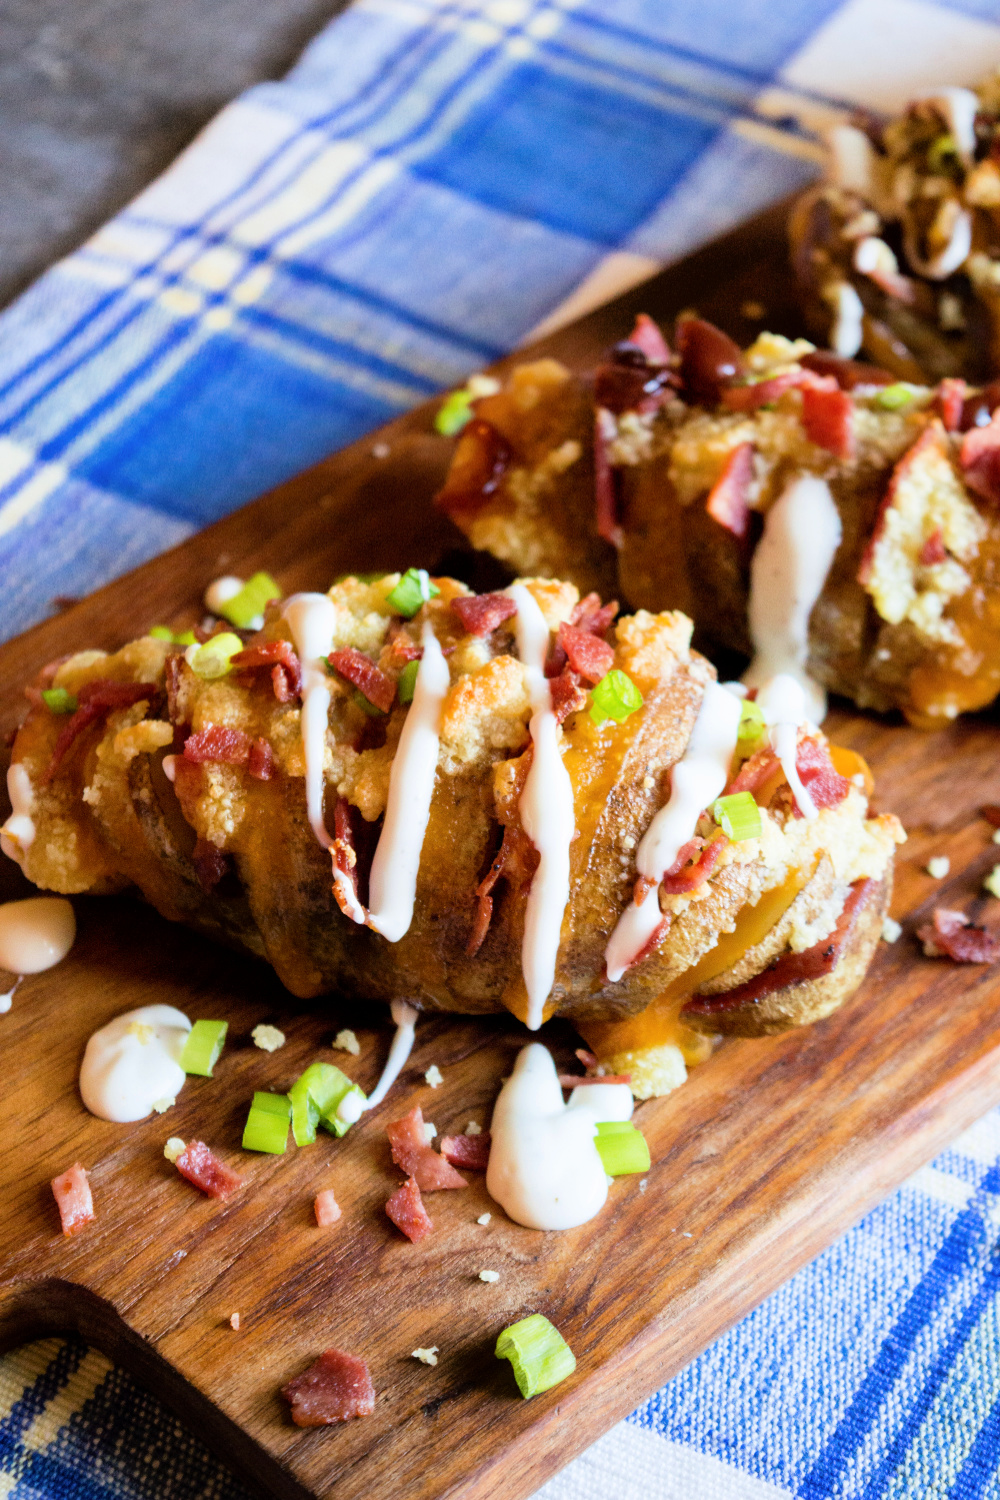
{"x": 593, "y": 616}
{"x": 363, "y": 674}
{"x": 210, "y": 864}
{"x": 326, "y": 1208}
{"x": 978, "y": 408}
{"x": 73, "y": 1198}
{"x": 848, "y": 373}
{"x": 401, "y": 645}
{"x": 469, "y": 1151}
{"x": 406, "y": 1210}
{"x": 344, "y": 854}
{"x": 991, "y": 812}
{"x": 412, "y": 1153}
{"x": 481, "y": 614}
{"x": 96, "y": 699}
{"x": 762, "y": 392}
{"x": 952, "y": 934}
{"x": 204, "y": 1169}
{"x": 286, "y": 669}
{"x": 260, "y": 763}
{"x": 217, "y": 743}
{"x": 647, "y": 336}
{"x": 728, "y": 499}
{"x": 679, "y": 879}
{"x": 709, "y": 360}
{"x": 980, "y": 460}
{"x": 828, "y": 417}
{"x": 511, "y": 862}
{"x": 930, "y": 445}
{"x": 816, "y": 771}
{"x": 791, "y": 968}
{"x": 754, "y": 772}
{"x": 605, "y": 486}
{"x": 334, "y": 1389}
{"x": 933, "y": 551}
{"x": 481, "y": 459}
{"x": 574, "y": 1080}
{"x": 567, "y": 695}
{"x": 950, "y": 402}
{"x": 587, "y": 654}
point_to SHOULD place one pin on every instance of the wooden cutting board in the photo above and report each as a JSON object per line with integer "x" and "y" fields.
{"x": 767, "y": 1154}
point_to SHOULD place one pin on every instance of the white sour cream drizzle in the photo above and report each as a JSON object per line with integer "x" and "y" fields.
{"x": 782, "y": 701}
{"x": 35, "y": 934}
{"x": 311, "y": 618}
{"x": 789, "y": 568}
{"x": 695, "y": 781}
{"x": 544, "y": 1167}
{"x": 405, "y": 1017}
{"x": 18, "y": 833}
{"x": 547, "y": 814}
{"x": 133, "y": 1063}
{"x": 393, "y": 880}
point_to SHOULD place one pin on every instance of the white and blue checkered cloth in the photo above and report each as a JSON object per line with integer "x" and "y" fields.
{"x": 435, "y": 180}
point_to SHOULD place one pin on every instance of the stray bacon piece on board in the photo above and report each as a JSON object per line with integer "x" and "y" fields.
{"x": 204, "y": 1169}
{"x": 481, "y": 614}
{"x": 334, "y": 1389}
{"x": 96, "y": 699}
{"x": 412, "y": 1152}
{"x": 72, "y": 1195}
{"x": 469, "y": 1151}
{"x": 952, "y": 934}
{"x": 326, "y": 1208}
{"x": 365, "y": 676}
{"x": 587, "y": 654}
{"x": 406, "y": 1210}
{"x": 729, "y": 498}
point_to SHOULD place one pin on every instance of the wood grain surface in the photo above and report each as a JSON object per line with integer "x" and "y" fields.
{"x": 767, "y": 1154}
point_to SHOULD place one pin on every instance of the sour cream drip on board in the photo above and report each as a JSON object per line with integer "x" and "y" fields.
{"x": 695, "y": 782}
{"x": 18, "y": 833}
{"x": 782, "y": 701}
{"x": 789, "y": 568}
{"x": 547, "y": 813}
{"x": 133, "y": 1064}
{"x": 544, "y": 1167}
{"x": 405, "y": 1017}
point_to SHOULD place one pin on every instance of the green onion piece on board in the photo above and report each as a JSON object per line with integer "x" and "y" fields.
{"x": 253, "y": 598}
{"x": 371, "y": 709}
{"x": 186, "y": 638}
{"x": 615, "y": 697}
{"x": 315, "y": 1098}
{"x": 453, "y": 413}
{"x": 161, "y": 633}
{"x": 204, "y": 1044}
{"x": 412, "y": 590}
{"x": 894, "y": 397}
{"x": 213, "y": 658}
{"x": 59, "y": 701}
{"x": 267, "y": 1124}
{"x": 614, "y": 1127}
{"x": 623, "y": 1152}
{"x": 539, "y": 1355}
{"x": 752, "y": 726}
{"x": 331, "y": 1119}
{"x": 738, "y": 816}
{"x": 407, "y": 683}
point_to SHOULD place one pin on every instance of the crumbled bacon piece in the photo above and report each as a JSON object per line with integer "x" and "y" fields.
{"x": 593, "y": 616}
{"x": 760, "y": 392}
{"x": 933, "y": 551}
{"x": 326, "y": 1208}
{"x": 848, "y": 373}
{"x": 72, "y": 1194}
{"x": 605, "y": 484}
{"x": 218, "y": 743}
{"x": 363, "y": 674}
{"x": 684, "y": 876}
{"x": 260, "y": 762}
{"x": 334, "y": 1389}
{"x": 951, "y": 933}
{"x": 754, "y": 772}
{"x": 816, "y": 771}
{"x": 567, "y": 695}
{"x": 647, "y": 336}
{"x": 590, "y": 1060}
{"x": 345, "y": 857}
{"x": 469, "y": 1151}
{"x": 481, "y": 459}
{"x": 210, "y": 864}
{"x": 406, "y": 1210}
{"x": 950, "y": 402}
{"x": 828, "y": 416}
{"x": 635, "y": 375}
{"x": 709, "y": 360}
{"x": 402, "y": 646}
{"x": 204, "y": 1169}
{"x": 96, "y": 699}
{"x": 286, "y": 669}
{"x": 481, "y": 614}
{"x": 980, "y": 460}
{"x": 510, "y": 860}
{"x": 729, "y": 498}
{"x": 587, "y": 654}
{"x": 412, "y": 1152}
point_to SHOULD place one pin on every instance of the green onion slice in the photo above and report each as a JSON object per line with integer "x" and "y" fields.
{"x": 368, "y": 578}
{"x": 453, "y": 413}
{"x": 161, "y": 633}
{"x": 267, "y": 1124}
{"x": 412, "y": 590}
{"x": 894, "y": 397}
{"x": 738, "y": 816}
{"x": 539, "y": 1355}
{"x": 213, "y": 658}
{"x": 752, "y": 727}
{"x": 615, "y": 697}
{"x": 186, "y": 638}
{"x": 316, "y": 1097}
{"x": 406, "y": 686}
{"x": 204, "y": 1044}
{"x": 623, "y": 1151}
{"x": 253, "y": 598}
{"x": 371, "y": 709}
{"x": 614, "y": 1127}
{"x": 60, "y": 701}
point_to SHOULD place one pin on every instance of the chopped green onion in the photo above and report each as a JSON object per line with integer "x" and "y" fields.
{"x": 243, "y": 608}
{"x": 371, "y": 709}
{"x": 212, "y": 659}
{"x": 267, "y": 1124}
{"x": 186, "y": 638}
{"x": 453, "y": 413}
{"x": 623, "y": 1152}
{"x": 407, "y": 683}
{"x": 941, "y": 146}
{"x": 539, "y": 1355}
{"x": 614, "y": 1127}
{"x": 161, "y": 633}
{"x": 738, "y": 816}
{"x": 894, "y": 397}
{"x": 412, "y": 590}
{"x": 316, "y": 1097}
{"x": 752, "y": 725}
{"x": 205, "y": 1042}
{"x": 358, "y": 578}
{"x": 60, "y": 701}
{"x": 615, "y": 697}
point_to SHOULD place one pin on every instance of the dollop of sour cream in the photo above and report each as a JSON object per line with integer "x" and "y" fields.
{"x": 132, "y": 1065}
{"x": 35, "y": 934}
{"x": 18, "y": 833}
{"x": 545, "y": 1169}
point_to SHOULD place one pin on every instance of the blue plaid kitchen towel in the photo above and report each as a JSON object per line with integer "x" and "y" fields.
{"x": 435, "y": 180}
